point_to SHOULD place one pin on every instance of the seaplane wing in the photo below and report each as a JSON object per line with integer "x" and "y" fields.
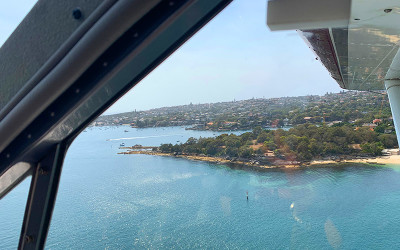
{"x": 356, "y": 40}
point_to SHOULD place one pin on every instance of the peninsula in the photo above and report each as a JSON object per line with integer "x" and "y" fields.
{"x": 302, "y": 145}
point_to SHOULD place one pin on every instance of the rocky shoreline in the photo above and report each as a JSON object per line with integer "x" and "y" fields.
{"x": 218, "y": 160}
{"x": 255, "y": 165}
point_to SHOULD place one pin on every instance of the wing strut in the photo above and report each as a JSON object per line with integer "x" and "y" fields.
{"x": 41, "y": 199}
{"x": 393, "y": 91}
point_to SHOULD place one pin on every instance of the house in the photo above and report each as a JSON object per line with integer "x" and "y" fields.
{"x": 376, "y": 121}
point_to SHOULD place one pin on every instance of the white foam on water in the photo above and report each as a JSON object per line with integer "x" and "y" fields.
{"x": 141, "y": 137}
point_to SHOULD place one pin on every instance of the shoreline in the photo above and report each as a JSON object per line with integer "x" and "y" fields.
{"x": 381, "y": 160}
{"x": 217, "y": 160}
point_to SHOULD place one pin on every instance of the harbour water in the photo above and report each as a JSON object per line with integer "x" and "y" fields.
{"x": 111, "y": 201}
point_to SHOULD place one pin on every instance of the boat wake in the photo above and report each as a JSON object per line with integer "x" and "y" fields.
{"x": 141, "y": 137}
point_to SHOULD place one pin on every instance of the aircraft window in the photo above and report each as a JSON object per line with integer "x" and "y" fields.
{"x": 111, "y": 197}
{"x": 12, "y": 208}
{"x": 108, "y": 200}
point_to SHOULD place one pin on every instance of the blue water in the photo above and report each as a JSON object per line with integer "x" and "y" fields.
{"x": 115, "y": 201}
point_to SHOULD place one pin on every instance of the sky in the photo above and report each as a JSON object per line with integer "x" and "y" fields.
{"x": 235, "y": 56}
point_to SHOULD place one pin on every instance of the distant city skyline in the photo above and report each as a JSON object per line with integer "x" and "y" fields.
{"x": 235, "y": 56}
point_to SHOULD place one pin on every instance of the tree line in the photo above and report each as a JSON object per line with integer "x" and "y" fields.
{"x": 302, "y": 143}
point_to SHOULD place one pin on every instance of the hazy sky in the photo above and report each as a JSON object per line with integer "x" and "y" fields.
{"x": 235, "y": 56}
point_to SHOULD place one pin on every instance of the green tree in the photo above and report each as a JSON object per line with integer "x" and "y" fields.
{"x": 262, "y": 137}
{"x": 388, "y": 140}
{"x": 245, "y": 137}
{"x": 256, "y": 131}
{"x": 166, "y": 148}
{"x": 245, "y": 152}
{"x": 373, "y": 148}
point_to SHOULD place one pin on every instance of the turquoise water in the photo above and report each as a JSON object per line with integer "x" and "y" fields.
{"x": 138, "y": 201}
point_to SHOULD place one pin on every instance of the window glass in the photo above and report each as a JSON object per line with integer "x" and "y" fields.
{"x": 12, "y": 209}
{"x": 140, "y": 200}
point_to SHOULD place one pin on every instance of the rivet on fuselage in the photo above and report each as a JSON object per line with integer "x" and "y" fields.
{"x": 42, "y": 171}
{"x": 77, "y": 13}
{"x": 29, "y": 238}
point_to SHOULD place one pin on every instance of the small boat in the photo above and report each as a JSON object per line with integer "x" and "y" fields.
{"x": 126, "y": 131}
{"x": 122, "y": 145}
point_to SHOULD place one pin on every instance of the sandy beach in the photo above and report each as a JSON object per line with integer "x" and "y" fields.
{"x": 392, "y": 159}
